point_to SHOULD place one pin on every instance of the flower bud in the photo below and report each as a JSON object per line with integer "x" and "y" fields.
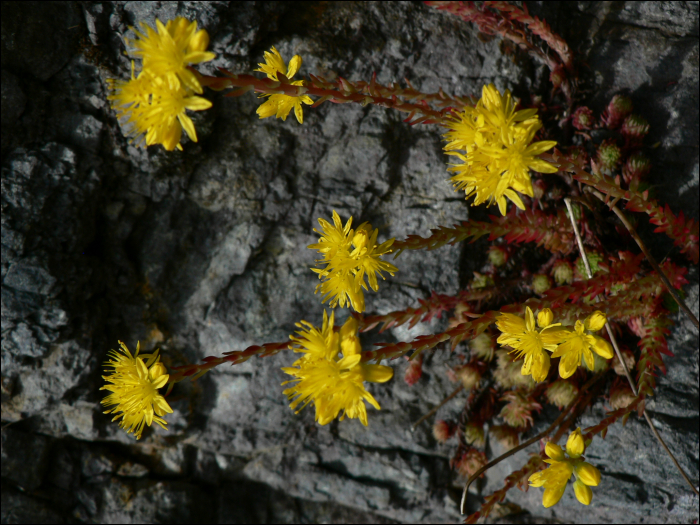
{"x": 595, "y": 321}
{"x": 583, "y": 493}
{"x": 582, "y": 118}
{"x": 635, "y": 128}
{"x": 541, "y": 283}
{"x": 498, "y": 255}
{"x": 469, "y": 376}
{"x": 562, "y": 272}
{"x": 621, "y": 396}
{"x": 636, "y": 167}
{"x": 414, "y": 371}
{"x": 481, "y": 281}
{"x": 620, "y": 106}
{"x": 474, "y": 434}
{"x": 608, "y": 156}
{"x": 505, "y": 435}
{"x": 554, "y": 451}
{"x": 471, "y": 461}
{"x": 157, "y": 370}
{"x": 575, "y": 445}
{"x": 482, "y": 346}
{"x": 561, "y": 393}
{"x": 628, "y": 357}
{"x": 442, "y": 430}
{"x": 587, "y": 473}
{"x": 545, "y": 317}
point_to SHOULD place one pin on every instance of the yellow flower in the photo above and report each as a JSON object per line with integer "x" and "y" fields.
{"x": 554, "y": 478}
{"x": 499, "y": 154}
{"x": 349, "y": 256}
{"x": 281, "y": 105}
{"x": 135, "y": 381}
{"x": 331, "y": 383}
{"x": 154, "y": 103}
{"x": 522, "y": 335}
{"x": 579, "y": 343}
{"x": 167, "y": 52}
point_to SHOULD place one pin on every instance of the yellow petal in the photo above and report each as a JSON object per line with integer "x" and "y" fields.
{"x": 299, "y": 113}
{"x": 588, "y": 474}
{"x": 568, "y": 364}
{"x": 583, "y": 493}
{"x": 552, "y": 496}
{"x": 602, "y": 347}
{"x": 294, "y": 65}
{"x": 554, "y": 451}
{"x": 377, "y": 373}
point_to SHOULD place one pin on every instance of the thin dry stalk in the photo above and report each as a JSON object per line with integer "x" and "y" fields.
{"x": 617, "y": 349}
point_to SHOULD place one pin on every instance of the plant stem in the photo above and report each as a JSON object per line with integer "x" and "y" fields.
{"x": 612, "y": 337}
{"x": 529, "y": 442}
{"x": 648, "y": 255}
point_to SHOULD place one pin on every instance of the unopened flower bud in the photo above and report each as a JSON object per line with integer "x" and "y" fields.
{"x": 474, "y": 434}
{"x": 443, "y": 430}
{"x": 541, "y": 283}
{"x": 538, "y": 188}
{"x": 498, "y": 255}
{"x": 620, "y": 106}
{"x": 583, "y": 493}
{"x": 157, "y": 370}
{"x": 588, "y": 474}
{"x": 552, "y": 496}
{"x": 575, "y": 445}
{"x": 636, "y": 167}
{"x": 469, "y": 376}
{"x": 505, "y": 435}
{"x": 608, "y": 156}
{"x": 582, "y": 118}
{"x": 414, "y": 371}
{"x": 628, "y": 357}
{"x": 482, "y": 346}
{"x": 635, "y": 128}
{"x": 481, "y": 281}
{"x": 471, "y": 461}
{"x": 554, "y": 451}
{"x": 561, "y": 393}
{"x": 562, "y": 272}
{"x": 545, "y": 317}
{"x": 621, "y": 396}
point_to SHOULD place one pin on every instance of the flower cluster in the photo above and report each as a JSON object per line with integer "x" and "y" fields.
{"x": 153, "y": 104}
{"x": 333, "y": 384}
{"x": 280, "y": 105}
{"x": 494, "y": 143}
{"x": 134, "y": 382}
{"x": 349, "y": 256}
{"x": 555, "y": 478}
{"x": 572, "y": 346}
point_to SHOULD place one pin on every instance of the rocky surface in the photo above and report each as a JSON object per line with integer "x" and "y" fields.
{"x": 203, "y": 251}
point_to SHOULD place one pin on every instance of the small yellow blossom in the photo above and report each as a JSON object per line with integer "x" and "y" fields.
{"x": 522, "y": 335}
{"x": 349, "y": 256}
{"x": 167, "y": 52}
{"x": 498, "y": 150}
{"x": 333, "y": 384}
{"x": 280, "y": 105}
{"x": 555, "y": 478}
{"x": 135, "y": 381}
{"x": 578, "y": 344}
{"x": 153, "y": 104}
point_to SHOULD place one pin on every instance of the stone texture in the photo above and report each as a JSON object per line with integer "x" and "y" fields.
{"x": 203, "y": 251}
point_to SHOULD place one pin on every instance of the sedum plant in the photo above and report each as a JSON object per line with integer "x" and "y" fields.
{"x": 518, "y": 347}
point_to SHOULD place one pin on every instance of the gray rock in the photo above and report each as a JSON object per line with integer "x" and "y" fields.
{"x": 203, "y": 251}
